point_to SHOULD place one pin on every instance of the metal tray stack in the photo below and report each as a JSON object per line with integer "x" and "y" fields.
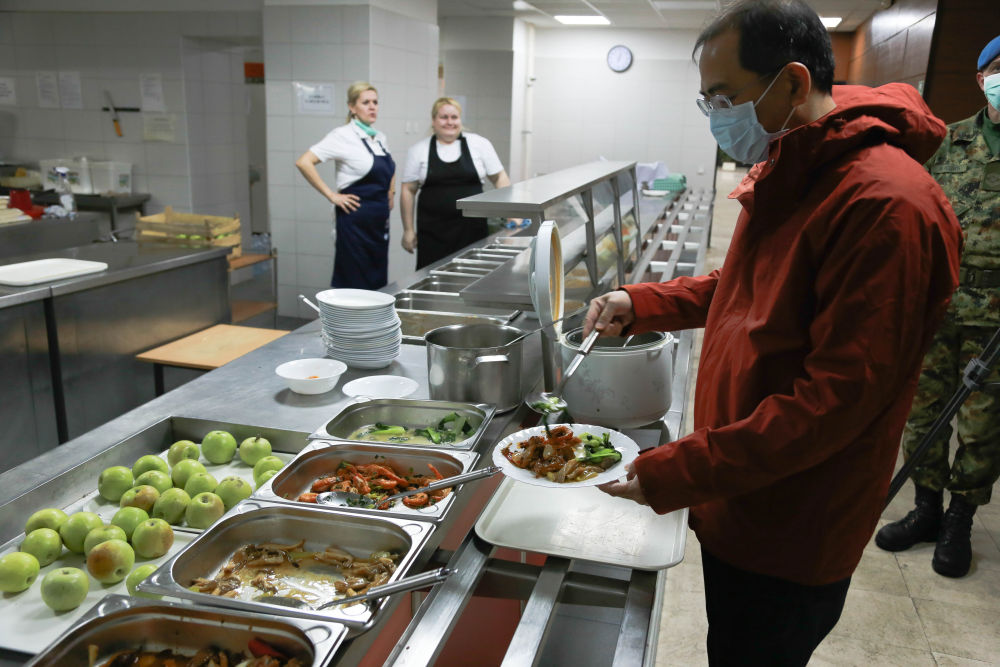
{"x": 119, "y": 623}
{"x": 414, "y": 413}
{"x": 258, "y": 521}
{"x": 322, "y": 458}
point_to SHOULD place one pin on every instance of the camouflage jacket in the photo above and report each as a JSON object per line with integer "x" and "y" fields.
{"x": 970, "y": 177}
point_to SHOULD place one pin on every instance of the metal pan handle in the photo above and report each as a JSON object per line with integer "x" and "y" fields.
{"x": 400, "y": 586}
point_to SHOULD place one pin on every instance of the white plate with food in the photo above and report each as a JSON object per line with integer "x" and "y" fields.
{"x": 592, "y": 455}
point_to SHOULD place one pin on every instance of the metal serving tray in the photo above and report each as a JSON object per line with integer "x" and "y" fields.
{"x": 440, "y": 285}
{"x": 258, "y": 521}
{"x": 497, "y": 257}
{"x": 469, "y": 269}
{"x": 411, "y": 412}
{"x": 447, "y": 303}
{"x": 416, "y": 323}
{"x": 322, "y": 458}
{"x": 119, "y": 623}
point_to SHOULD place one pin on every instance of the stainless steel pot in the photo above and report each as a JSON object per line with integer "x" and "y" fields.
{"x": 475, "y": 363}
{"x": 616, "y": 386}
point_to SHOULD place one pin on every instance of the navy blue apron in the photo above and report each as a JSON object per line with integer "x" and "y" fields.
{"x": 361, "y": 259}
{"x": 441, "y": 227}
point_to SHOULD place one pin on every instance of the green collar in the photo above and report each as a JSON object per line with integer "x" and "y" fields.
{"x": 369, "y": 130}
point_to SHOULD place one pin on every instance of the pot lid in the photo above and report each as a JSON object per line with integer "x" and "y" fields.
{"x": 546, "y": 276}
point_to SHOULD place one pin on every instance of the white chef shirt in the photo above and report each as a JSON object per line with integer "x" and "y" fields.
{"x": 343, "y": 144}
{"x": 484, "y": 156}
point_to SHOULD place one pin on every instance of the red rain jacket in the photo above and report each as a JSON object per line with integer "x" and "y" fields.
{"x": 840, "y": 268}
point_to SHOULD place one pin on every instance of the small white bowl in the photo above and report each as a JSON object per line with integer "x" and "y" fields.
{"x": 311, "y": 376}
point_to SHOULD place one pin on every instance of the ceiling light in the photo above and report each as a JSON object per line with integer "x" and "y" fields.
{"x": 522, "y": 6}
{"x": 830, "y": 22}
{"x": 685, "y": 4}
{"x": 582, "y": 20}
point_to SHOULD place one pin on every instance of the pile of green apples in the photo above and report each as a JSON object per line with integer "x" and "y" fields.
{"x": 181, "y": 489}
{"x": 152, "y": 496}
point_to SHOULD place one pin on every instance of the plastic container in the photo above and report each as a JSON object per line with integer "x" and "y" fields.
{"x": 78, "y": 174}
{"x": 110, "y": 177}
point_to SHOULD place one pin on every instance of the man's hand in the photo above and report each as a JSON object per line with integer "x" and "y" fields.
{"x": 409, "y": 241}
{"x": 628, "y": 489}
{"x": 609, "y": 314}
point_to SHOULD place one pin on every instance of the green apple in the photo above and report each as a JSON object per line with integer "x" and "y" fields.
{"x": 265, "y": 464}
{"x": 76, "y": 528}
{"x": 115, "y": 481}
{"x": 103, "y": 534}
{"x": 232, "y": 490}
{"x": 44, "y": 544}
{"x": 149, "y": 462}
{"x": 137, "y": 575}
{"x": 204, "y": 510}
{"x": 180, "y": 450}
{"x": 254, "y": 449}
{"x": 65, "y": 588}
{"x": 127, "y": 518}
{"x": 171, "y": 505}
{"x": 155, "y": 478}
{"x": 200, "y": 482}
{"x": 264, "y": 476}
{"x": 110, "y": 562}
{"x": 182, "y": 471}
{"x": 50, "y": 517}
{"x": 143, "y": 497}
{"x": 18, "y": 570}
{"x": 152, "y": 538}
{"x": 218, "y": 446}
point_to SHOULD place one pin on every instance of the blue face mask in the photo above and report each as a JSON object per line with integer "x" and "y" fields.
{"x": 991, "y": 86}
{"x": 740, "y": 133}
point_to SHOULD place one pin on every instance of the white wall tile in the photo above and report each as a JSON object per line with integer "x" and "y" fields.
{"x": 318, "y": 62}
{"x": 279, "y": 98}
{"x": 215, "y": 67}
{"x": 217, "y": 128}
{"x": 316, "y": 24}
{"x": 218, "y": 97}
{"x": 355, "y": 24}
{"x": 172, "y": 190}
{"x": 277, "y": 61}
{"x": 288, "y": 266}
{"x": 311, "y": 206}
{"x": 277, "y": 24}
{"x": 283, "y": 237}
{"x": 281, "y": 169}
{"x": 167, "y": 159}
{"x": 314, "y": 237}
{"x": 315, "y": 270}
{"x": 279, "y": 133}
{"x": 308, "y": 130}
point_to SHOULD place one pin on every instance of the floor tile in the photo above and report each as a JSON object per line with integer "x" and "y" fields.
{"x": 960, "y": 631}
{"x": 945, "y": 660}
{"x": 846, "y": 651}
{"x": 878, "y": 571}
{"x": 683, "y": 628}
{"x": 887, "y": 620}
{"x": 980, "y": 589}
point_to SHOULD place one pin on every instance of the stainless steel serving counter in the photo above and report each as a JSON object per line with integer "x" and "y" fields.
{"x": 22, "y": 238}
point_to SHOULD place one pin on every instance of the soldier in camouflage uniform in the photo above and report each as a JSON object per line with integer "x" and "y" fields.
{"x": 968, "y": 168}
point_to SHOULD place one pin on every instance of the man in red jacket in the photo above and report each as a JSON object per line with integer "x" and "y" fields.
{"x": 840, "y": 268}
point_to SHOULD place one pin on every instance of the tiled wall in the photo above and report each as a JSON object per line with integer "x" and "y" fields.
{"x": 483, "y": 78}
{"x": 338, "y": 45}
{"x": 216, "y": 102}
{"x": 109, "y": 50}
{"x": 583, "y": 111}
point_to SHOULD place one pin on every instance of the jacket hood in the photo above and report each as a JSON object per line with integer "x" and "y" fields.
{"x": 893, "y": 114}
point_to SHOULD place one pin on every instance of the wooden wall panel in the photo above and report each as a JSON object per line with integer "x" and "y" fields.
{"x": 894, "y": 44}
{"x": 843, "y": 44}
{"x": 963, "y": 28}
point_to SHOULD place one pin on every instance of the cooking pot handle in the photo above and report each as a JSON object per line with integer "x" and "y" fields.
{"x": 490, "y": 359}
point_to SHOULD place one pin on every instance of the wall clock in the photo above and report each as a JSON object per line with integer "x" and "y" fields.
{"x": 619, "y": 58}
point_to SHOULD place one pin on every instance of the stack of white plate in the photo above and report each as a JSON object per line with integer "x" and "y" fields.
{"x": 360, "y": 327}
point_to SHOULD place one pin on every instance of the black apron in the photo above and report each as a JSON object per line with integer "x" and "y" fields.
{"x": 361, "y": 259}
{"x": 441, "y": 227}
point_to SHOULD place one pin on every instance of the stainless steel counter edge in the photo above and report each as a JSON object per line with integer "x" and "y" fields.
{"x": 15, "y": 296}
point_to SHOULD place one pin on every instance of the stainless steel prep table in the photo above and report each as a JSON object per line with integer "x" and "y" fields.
{"x": 247, "y": 391}
{"x": 45, "y": 234}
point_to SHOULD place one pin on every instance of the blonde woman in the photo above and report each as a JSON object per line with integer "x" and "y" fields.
{"x": 365, "y": 187}
{"x": 445, "y": 167}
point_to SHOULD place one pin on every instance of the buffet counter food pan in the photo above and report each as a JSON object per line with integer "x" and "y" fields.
{"x": 406, "y": 412}
{"x": 257, "y": 521}
{"x": 119, "y": 623}
{"x": 322, "y": 459}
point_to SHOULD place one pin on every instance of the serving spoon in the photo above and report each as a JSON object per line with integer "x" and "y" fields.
{"x": 349, "y": 499}
{"x": 399, "y": 586}
{"x": 546, "y": 326}
{"x": 551, "y": 402}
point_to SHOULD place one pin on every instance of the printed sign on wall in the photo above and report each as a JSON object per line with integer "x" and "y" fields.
{"x": 314, "y": 98}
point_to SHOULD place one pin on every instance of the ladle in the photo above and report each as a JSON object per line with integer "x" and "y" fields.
{"x": 551, "y": 402}
{"x": 310, "y": 303}
{"x": 546, "y": 326}
{"x": 400, "y": 586}
{"x": 348, "y": 499}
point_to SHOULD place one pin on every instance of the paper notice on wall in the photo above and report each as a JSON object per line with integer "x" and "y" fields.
{"x": 314, "y": 98}
{"x": 151, "y": 91}
{"x": 8, "y": 93}
{"x": 159, "y": 127}
{"x": 48, "y": 90}
{"x": 70, "y": 91}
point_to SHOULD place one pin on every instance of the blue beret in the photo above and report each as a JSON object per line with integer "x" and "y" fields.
{"x": 989, "y": 54}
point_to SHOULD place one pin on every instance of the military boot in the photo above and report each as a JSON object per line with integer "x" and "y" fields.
{"x": 920, "y": 525}
{"x": 953, "y": 553}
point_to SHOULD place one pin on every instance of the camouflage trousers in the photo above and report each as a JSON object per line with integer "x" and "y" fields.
{"x": 976, "y": 465}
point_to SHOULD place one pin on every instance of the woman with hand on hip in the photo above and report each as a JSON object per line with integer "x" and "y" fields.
{"x": 445, "y": 167}
{"x": 364, "y": 191}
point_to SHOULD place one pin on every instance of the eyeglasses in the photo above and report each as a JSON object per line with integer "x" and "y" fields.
{"x": 719, "y": 102}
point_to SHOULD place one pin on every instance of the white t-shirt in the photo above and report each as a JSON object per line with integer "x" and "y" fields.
{"x": 343, "y": 144}
{"x": 484, "y": 156}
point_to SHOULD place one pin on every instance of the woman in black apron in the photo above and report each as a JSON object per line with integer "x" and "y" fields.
{"x": 365, "y": 178}
{"x": 441, "y": 229}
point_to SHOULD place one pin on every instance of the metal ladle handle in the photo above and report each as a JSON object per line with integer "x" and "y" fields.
{"x": 310, "y": 303}
{"x": 489, "y": 471}
{"x": 585, "y": 348}
{"x": 401, "y": 586}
